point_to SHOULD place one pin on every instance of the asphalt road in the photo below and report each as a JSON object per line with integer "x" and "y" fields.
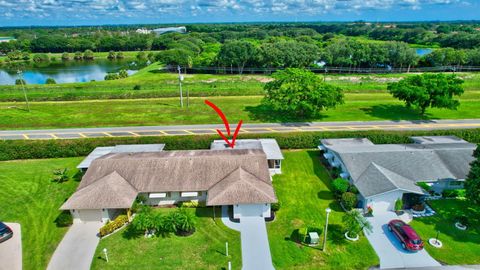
{"x": 136, "y": 131}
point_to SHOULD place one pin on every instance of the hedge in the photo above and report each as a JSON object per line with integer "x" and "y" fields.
{"x": 110, "y": 227}
{"x": 32, "y": 149}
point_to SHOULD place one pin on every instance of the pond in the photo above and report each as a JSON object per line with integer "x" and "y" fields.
{"x": 65, "y": 71}
{"x": 423, "y": 51}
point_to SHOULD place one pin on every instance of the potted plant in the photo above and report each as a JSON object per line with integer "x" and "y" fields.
{"x": 418, "y": 208}
{"x": 355, "y": 223}
{"x": 461, "y": 222}
{"x": 369, "y": 211}
{"x": 399, "y": 206}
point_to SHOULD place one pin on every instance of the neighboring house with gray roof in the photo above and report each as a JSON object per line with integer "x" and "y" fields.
{"x": 383, "y": 173}
{"x": 238, "y": 177}
{"x": 269, "y": 146}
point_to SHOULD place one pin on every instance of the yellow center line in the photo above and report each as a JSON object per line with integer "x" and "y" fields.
{"x": 189, "y": 132}
{"x": 82, "y": 135}
{"x": 53, "y": 135}
{"x": 108, "y": 134}
{"x": 25, "y": 136}
{"x": 134, "y": 134}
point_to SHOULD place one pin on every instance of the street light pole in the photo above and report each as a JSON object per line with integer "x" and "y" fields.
{"x": 328, "y": 210}
{"x": 23, "y": 88}
{"x": 180, "y": 79}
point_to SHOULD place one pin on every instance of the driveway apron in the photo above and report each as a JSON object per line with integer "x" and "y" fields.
{"x": 389, "y": 249}
{"x": 77, "y": 248}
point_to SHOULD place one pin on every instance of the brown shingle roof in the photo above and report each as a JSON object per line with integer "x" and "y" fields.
{"x": 111, "y": 191}
{"x": 196, "y": 170}
{"x": 240, "y": 186}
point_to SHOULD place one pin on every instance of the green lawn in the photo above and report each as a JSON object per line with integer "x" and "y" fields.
{"x": 303, "y": 191}
{"x": 29, "y": 197}
{"x": 459, "y": 247}
{"x": 166, "y": 111}
{"x": 205, "y": 249}
{"x": 155, "y": 84}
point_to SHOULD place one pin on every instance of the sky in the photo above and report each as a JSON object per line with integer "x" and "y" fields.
{"x": 86, "y": 12}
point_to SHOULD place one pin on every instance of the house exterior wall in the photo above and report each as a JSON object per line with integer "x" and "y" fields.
{"x": 245, "y": 210}
{"x": 173, "y": 198}
{"x": 442, "y": 185}
{"x": 383, "y": 202}
{"x": 275, "y": 166}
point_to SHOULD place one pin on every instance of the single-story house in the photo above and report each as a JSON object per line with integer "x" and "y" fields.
{"x": 121, "y": 148}
{"x": 238, "y": 177}
{"x": 383, "y": 173}
{"x": 269, "y": 146}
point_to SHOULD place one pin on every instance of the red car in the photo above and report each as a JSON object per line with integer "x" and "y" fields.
{"x": 406, "y": 234}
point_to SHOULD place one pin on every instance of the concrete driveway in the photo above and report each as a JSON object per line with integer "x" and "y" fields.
{"x": 255, "y": 247}
{"x": 389, "y": 249}
{"x": 11, "y": 250}
{"x": 77, "y": 248}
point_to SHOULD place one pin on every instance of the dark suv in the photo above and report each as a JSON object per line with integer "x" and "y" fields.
{"x": 406, "y": 234}
{"x": 5, "y": 232}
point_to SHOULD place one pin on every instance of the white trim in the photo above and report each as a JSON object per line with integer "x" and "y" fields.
{"x": 157, "y": 195}
{"x": 189, "y": 194}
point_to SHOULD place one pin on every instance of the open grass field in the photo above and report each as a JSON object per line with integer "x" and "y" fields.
{"x": 154, "y": 84}
{"x": 205, "y": 249}
{"x": 459, "y": 247}
{"x": 167, "y": 111}
{"x": 28, "y": 196}
{"x": 303, "y": 189}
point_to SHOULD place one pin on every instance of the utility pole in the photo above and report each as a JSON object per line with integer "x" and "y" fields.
{"x": 180, "y": 79}
{"x": 19, "y": 72}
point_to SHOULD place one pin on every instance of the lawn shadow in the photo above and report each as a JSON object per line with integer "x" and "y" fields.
{"x": 336, "y": 234}
{"x": 396, "y": 113}
{"x": 266, "y": 113}
{"x": 325, "y": 195}
{"x": 130, "y": 233}
{"x": 77, "y": 177}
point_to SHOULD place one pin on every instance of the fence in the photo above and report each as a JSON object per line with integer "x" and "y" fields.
{"x": 338, "y": 70}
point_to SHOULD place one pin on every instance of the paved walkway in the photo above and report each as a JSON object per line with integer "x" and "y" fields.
{"x": 11, "y": 250}
{"x": 77, "y": 248}
{"x": 255, "y": 246}
{"x": 246, "y": 128}
{"x": 389, "y": 249}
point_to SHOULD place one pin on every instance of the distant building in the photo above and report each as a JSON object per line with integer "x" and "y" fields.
{"x": 143, "y": 31}
{"x": 180, "y": 29}
{"x": 6, "y": 39}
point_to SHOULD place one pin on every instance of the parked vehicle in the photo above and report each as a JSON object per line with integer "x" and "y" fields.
{"x": 406, "y": 234}
{"x": 5, "y": 232}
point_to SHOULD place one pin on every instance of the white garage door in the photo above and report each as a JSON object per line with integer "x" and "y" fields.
{"x": 385, "y": 202}
{"x": 90, "y": 215}
{"x": 249, "y": 210}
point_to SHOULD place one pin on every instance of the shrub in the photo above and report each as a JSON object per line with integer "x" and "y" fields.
{"x": 111, "y": 76}
{"x": 302, "y": 234}
{"x": 184, "y": 222}
{"x": 353, "y": 189}
{"x": 137, "y": 87}
{"x": 349, "y": 200}
{"x": 354, "y": 222}
{"x": 275, "y": 206}
{"x": 462, "y": 220}
{"x": 189, "y": 204}
{"x": 110, "y": 227}
{"x": 65, "y": 219}
{"x": 41, "y": 57}
{"x": 419, "y": 207}
{"x": 340, "y": 186}
{"x": 120, "y": 55}
{"x": 20, "y": 82}
{"x": 78, "y": 55}
{"x": 60, "y": 175}
{"x": 65, "y": 56}
{"x": 111, "y": 55}
{"x": 50, "y": 81}
{"x": 398, "y": 204}
{"x": 88, "y": 54}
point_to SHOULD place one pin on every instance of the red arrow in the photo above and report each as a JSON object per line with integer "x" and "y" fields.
{"x": 227, "y": 125}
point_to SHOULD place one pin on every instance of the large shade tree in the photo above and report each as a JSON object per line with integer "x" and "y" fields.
{"x": 428, "y": 90}
{"x": 472, "y": 183}
{"x": 301, "y": 92}
{"x": 237, "y": 53}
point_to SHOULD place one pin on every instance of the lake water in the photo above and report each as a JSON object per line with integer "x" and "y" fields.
{"x": 423, "y": 51}
{"x": 65, "y": 71}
